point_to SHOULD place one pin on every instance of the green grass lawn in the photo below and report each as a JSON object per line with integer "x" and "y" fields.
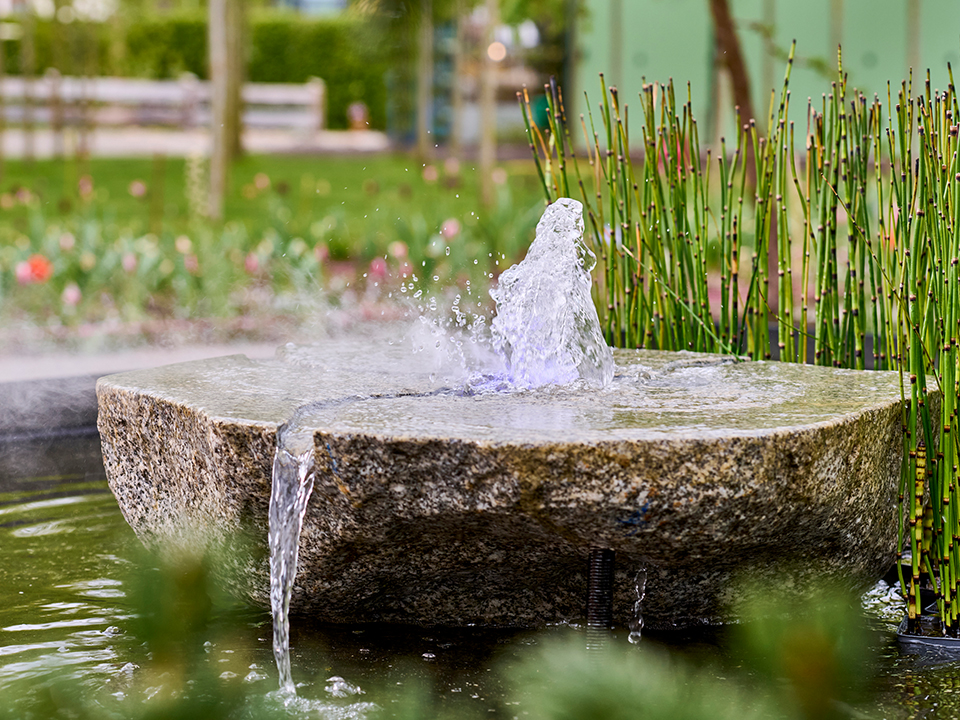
{"x": 309, "y": 186}
{"x": 127, "y": 239}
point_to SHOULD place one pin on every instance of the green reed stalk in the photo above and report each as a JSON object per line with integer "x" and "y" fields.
{"x": 888, "y": 168}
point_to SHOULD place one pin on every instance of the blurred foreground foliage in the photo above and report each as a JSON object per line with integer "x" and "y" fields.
{"x": 179, "y": 611}
{"x": 812, "y": 661}
{"x": 806, "y": 660}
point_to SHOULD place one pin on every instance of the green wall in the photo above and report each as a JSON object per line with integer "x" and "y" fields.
{"x": 661, "y": 39}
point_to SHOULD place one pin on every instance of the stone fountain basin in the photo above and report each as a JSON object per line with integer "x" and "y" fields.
{"x": 433, "y": 506}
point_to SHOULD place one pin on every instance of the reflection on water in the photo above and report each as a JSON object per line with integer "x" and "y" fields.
{"x": 60, "y": 555}
{"x": 66, "y": 556}
{"x": 65, "y": 559}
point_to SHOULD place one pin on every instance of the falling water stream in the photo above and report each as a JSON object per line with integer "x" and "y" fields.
{"x": 546, "y": 332}
{"x": 293, "y": 476}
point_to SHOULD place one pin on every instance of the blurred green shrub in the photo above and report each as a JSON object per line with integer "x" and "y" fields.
{"x": 179, "y": 611}
{"x": 803, "y": 658}
{"x": 817, "y": 653}
{"x": 351, "y": 54}
{"x": 567, "y": 682}
{"x": 162, "y": 47}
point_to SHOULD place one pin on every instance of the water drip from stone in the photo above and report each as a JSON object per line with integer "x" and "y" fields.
{"x": 636, "y": 622}
{"x": 292, "y": 484}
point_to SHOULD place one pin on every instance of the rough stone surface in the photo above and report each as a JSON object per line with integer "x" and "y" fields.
{"x": 436, "y": 507}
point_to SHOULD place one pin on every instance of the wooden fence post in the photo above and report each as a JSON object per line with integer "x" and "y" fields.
{"x": 54, "y": 83}
{"x": 318, "y": 92}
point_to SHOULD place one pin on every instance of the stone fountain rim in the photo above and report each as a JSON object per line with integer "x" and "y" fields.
{"x": 837, "y": 479}
{"x": 691, "y": 437}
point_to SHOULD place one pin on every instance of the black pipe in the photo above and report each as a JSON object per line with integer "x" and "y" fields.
{"x": 599, "y": 596}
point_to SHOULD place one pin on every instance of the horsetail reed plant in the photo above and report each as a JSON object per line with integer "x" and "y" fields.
{"x": 870, "y": 211}
{"x": 651, "y": 226}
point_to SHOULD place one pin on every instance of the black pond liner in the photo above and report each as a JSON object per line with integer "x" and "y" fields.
{"x": 928, "y": 644}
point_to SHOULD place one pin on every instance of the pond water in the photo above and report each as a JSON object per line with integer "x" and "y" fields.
{"x": 66, "y": 606}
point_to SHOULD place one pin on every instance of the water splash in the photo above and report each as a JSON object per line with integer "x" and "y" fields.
{"x": 546, "y": 327}
{"x": 545, "y": 331}
{"x": 293, "y": 477}
{"x": 636, "y": 622}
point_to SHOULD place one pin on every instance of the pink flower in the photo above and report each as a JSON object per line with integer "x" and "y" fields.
{"x": 321, "y": 253}
{"x": 36, "y": 269}
{"x": 252, "y": 263}
{"x": 191, "y": 263}
{"x": 378, "y": 268}
{"x": 430, "y": 174}
{"x": 397, "y": 249}
{"x": 129, "y": 262}
{"x": 85, "y": 185}
{"x": 24, "y": 274}
{"x": 450, "y": 228}
{"x": 138, "y": 188}
{"x": 71, "y": 295}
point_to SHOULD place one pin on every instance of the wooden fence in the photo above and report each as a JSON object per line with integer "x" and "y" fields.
{"x": 59, "y": 102}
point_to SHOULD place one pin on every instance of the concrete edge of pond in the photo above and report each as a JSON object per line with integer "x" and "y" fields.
{"x": 54, "y": 395}
{"x": 50, "y": 407}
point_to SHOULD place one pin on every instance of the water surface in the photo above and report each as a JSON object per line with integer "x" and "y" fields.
{"x": 66, "y": 605}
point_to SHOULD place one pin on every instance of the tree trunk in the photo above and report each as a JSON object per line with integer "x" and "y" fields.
{"x": 488, "y": 108}
{"x": 27, "y": 69}
{"x": 225, "y": 89}
{"x": 425, "y": 81}
{"x": 728, "y": 50}
{"x": 456, "y": 91}
{"x": 236, "y": 40}
{"x": 731, "y": 57}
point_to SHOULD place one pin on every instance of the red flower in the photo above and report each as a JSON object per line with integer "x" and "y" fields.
{"x": 36, "y": 269}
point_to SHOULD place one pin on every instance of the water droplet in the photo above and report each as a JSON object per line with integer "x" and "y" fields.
{"x": 636, "y": 622}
